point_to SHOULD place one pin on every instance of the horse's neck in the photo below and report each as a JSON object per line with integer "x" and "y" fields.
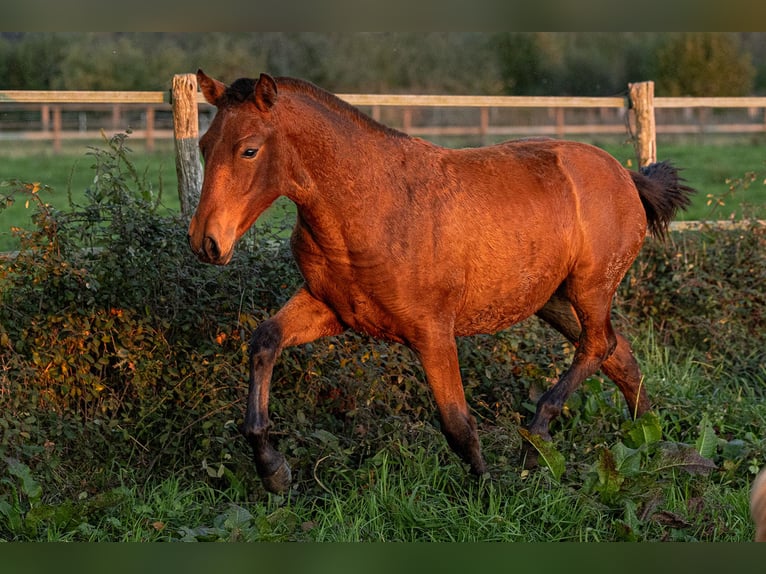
{"x": 350, "y": 168}
{"x": 346, "y": 192}
{"x": 347, "y": 161}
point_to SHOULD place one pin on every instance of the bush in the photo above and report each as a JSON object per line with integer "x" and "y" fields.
{"x": 704, "y": 292}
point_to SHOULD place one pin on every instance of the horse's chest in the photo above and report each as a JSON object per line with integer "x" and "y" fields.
{"x": 356, "y": 293}
{"x": 361, "y": 309}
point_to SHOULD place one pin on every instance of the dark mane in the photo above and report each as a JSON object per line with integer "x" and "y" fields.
{"x": 239, "y": 91}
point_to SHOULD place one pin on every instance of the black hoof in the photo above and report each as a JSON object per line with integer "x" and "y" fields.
{"x": 270, "y": 464}
{"x": 479, "y": 470}
{"x": 279, "y": 480}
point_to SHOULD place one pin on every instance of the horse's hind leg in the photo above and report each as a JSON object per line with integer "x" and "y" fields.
{"x": 591, "y": 301}
{"x": 621, "y": 366}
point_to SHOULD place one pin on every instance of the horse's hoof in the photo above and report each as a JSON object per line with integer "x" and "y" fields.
{"x": 480, "y": 470}
{"x": 278, "y": 481}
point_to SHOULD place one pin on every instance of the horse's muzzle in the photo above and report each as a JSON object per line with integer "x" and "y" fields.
{"x": 208, "y": 251}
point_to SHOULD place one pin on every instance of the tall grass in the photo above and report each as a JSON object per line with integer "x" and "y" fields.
{"x": 416, "y": 490}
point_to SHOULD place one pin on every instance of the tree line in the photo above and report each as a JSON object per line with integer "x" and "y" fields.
{"x": 517, "y": 63}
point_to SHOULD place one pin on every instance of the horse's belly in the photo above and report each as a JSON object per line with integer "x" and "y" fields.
{"x": 488, "y": 320}
{"x": 492, "y": 319}
{"x": 484, "y": 313}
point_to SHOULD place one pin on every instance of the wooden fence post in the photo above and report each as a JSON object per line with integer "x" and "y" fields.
{"x": 56, "y": 129}
{"x": 149, "y": 128}
{"x": 186, "y": 133}
{"x": 642, "y": 102}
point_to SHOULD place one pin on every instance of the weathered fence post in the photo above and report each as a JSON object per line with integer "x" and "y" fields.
{"x": 149, "y": 128}
{"x": 642, "y": 102}
{"x": 56, "y": 129}
{"x": 186, "y": 132}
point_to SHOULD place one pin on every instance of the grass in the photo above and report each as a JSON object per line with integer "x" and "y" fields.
{"x": 70, "y": 173}
{"x": 717, "y": 172}
{"x": 711, "y": 169}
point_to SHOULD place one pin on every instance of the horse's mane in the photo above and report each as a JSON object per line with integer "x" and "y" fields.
{"x": 242, "y": 89}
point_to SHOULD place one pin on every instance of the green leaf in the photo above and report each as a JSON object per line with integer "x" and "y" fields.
{"x": 627, "y": 460}
{"x": 645, "y": 430}
{"x": 609, "y": 477}
{"x": 552, "y": 458}
{"x": 29, "y": 486}
{"x": 13, "y": 516}
{"x": 707, "y": 441}
{"x": 326, "y": 438}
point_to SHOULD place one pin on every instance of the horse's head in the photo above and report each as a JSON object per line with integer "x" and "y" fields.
{"x": 238, "y": 153}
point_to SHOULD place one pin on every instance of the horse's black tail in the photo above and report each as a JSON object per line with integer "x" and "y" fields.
{"x": 662, "y": 192}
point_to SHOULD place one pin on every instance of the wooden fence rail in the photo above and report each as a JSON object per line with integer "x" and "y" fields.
{"x": 51, "y": 104}
{"x": 639, "y": 106}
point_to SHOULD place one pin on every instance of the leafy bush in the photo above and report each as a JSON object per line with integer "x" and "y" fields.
{"x": 704, "y": 291}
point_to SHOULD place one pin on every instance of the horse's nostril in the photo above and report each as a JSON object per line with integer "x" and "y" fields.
{"x": 210, "y": 248}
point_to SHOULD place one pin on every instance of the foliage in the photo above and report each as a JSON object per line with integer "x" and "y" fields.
{"x": 519, "y": 63}
{"x": 32, "y": 62}
{"x": 123, "y": 367}
{"x": 569, "y": 63}
{"x": 703, "y": 64}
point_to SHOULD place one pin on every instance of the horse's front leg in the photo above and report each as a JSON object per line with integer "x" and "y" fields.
{"x": 303, "y": 319}
{"x": 438, "y": 355}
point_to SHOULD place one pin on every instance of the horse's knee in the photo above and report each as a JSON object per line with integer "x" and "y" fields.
{"x": 598, "y": 346}
{"x": 266, "y": 340}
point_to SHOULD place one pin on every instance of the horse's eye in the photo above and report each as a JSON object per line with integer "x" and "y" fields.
{"x": 250, "y": 152}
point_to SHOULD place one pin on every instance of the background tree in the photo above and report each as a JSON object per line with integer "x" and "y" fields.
{"x": 572, "y": 63}
{"x": 32, "y": 61}
{"x": 520, "y": 63}
{"x": 703, "y": 64}
{"x": 106, "y": 61}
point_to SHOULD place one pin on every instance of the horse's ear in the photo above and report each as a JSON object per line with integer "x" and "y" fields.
{"x": 211, "y": 89}
{"x": 265, "y": 92}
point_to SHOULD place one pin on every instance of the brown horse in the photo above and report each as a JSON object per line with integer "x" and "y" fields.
{"x": 414, "y": 243}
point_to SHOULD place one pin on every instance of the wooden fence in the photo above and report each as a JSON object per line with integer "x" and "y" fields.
{"x": 57, "y": 116}
{"x": 638, "y": 110}
{"x": 52, "y": 105}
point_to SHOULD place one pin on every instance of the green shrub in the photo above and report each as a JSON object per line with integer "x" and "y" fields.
{"x": 704, "y": 291}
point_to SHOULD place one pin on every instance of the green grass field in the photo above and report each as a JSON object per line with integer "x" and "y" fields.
{"x": 718, "y": 172}
{"x": 711, "y": 169}
{"x": 69, "y": 173}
